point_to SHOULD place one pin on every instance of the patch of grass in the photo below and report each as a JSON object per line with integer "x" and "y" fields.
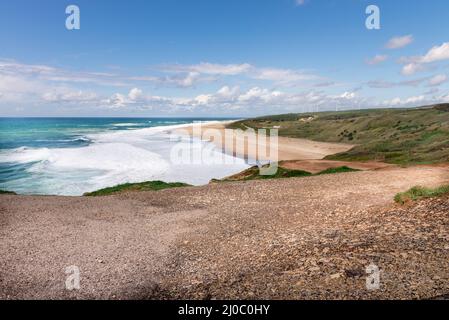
{"x": 282, "y": 173}
{"x": 144, "y": 186}
{"x": 417, "y": 193}
{"x": 6, "y": 192}
{"x": 337, "y": 170}
{"x": 397, "y": 136}
{"x": 287, "y": 173}
{"x": 253, "y": 173}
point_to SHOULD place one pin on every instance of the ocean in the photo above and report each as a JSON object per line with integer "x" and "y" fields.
{"x": 71, "y": 156}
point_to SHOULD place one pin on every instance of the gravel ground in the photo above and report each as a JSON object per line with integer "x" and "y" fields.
{"x": 304, "y": 238}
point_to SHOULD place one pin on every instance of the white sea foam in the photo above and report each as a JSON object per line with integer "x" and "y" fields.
{"x": 127, "y": 124}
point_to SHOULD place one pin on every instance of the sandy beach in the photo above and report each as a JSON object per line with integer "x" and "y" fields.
{"x": 288, "y": 148}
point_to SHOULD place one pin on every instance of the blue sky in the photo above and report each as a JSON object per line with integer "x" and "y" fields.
{"x": 220, "y": 58}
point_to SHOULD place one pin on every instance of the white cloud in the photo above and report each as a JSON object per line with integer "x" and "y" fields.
{"x": 257, "y": 95}
{"x": 399, "y": 42}
{"x": 411, "y": 69}
{"x": 276, "y": 75}
{"x": 382, "y": 84}
{"x": 117, "y": 101}
{"x": 19, "y": 89}
{"x": 224, "y": 96}
{"x": 228, "y": 92}
{"x": 348, "y": 95}
{"x": 212, "y": 68}
{"x": 435, "y": 54}
{"x": 57, "y": 75}
{"x": 270, "y": 92}
{"x": 377, "y": 59}
{"x": 27, "y": 82}
{"x": 437, "y": 80}
{"x": 255, "y": 100}
{"x": 281, "y": 76}
{"x": 70, "y": 96}
{"x": 226, "y": 100}
{"x": 135, "y": 94}
{"x": 182, "y": 80}
{"x": 414, "y": 100}
{"x": 258, "y": 100}
{"x": 12, "y": 67}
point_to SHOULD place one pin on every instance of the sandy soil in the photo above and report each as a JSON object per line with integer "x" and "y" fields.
{"x": 299, "y": 238}
{"x": 288, "y": 148}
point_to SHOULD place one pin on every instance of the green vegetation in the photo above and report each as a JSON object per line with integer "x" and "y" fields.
{"x": 254, "y": 174}
{"x": 397, "y": 136}
{"x": 144, "y": 186}
{"x": 6, "y": 192}
{"x": 417, "y": 193}
{"x": 337, "y": 170}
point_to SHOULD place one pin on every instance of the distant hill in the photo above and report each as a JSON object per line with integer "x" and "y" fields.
{"x": 399, "y": 136}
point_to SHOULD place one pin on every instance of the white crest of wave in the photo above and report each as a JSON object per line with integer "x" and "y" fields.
{"x": 127, "y": 124}
{"x": 102, "y": 156}
{"x": 90, "y": 168}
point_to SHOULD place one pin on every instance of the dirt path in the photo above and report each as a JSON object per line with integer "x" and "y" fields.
{"x": 289, "y": 238}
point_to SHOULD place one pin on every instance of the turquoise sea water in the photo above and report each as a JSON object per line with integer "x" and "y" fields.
{"x": 70, "y": 156}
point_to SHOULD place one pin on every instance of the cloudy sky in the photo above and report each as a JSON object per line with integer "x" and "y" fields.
{"x": 220, "y": 58}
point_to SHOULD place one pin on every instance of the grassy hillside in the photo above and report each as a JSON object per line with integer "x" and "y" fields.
{"x": 399, "y": 136}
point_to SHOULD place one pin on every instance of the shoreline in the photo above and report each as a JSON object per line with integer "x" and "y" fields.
{"x": 294, "y": 154}
{"x": 288, "y": 148}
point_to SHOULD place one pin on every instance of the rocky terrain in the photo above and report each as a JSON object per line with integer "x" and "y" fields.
{"x": 296, "y": 238}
